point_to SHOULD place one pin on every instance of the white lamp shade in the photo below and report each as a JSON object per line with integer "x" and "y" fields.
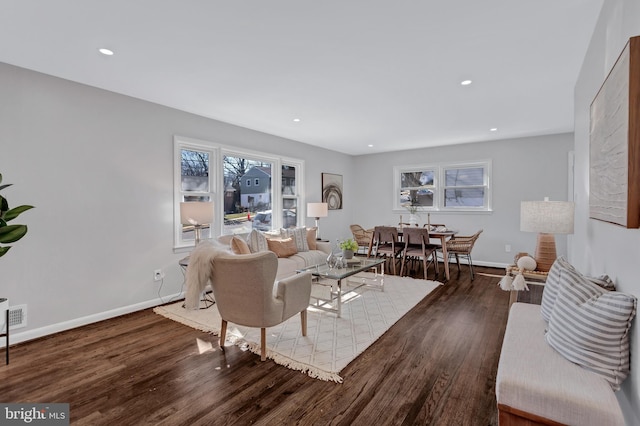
{"x": 317, "y": 209}
{"x": 196, "y": 212}
{"x": 548, "y": 217}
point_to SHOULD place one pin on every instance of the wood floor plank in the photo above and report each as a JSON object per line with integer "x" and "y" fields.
{"x": 435, "y": 366}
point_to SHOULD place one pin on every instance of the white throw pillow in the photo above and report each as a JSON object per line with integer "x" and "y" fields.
{"x": 589, "y": 326}
{"x": 257, "y": 242}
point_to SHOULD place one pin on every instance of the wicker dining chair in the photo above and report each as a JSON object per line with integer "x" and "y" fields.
{"x": 362, "y": 236}
{"x": 461, "y": 246}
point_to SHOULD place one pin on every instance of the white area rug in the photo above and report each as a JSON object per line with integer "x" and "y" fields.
{"x": 331, "y": 342}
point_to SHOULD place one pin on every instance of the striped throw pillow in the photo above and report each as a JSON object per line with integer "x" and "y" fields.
{"x": 257, "y": 241}
{"x": 299, "y": 235}
{"x": 551, "y": 286}
{"x": 550, "y": 292}
{"x": 589, "y": 326}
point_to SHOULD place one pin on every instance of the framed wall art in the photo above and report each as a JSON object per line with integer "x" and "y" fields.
{"x": 614, "y": 151}
{"x": 332, "y": 190}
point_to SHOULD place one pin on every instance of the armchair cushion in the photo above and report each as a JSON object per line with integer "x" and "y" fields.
{"x": 295, "y": 292}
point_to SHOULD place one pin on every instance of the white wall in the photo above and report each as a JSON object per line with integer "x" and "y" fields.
{"x": 98, "y": 167}
{"x": 523, "y": 169}
{"x": 599, "y": 247}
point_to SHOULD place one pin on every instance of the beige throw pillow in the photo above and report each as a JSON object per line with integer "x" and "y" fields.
{"x": 311, "y": 238}
{"x": 282, "y": 247}
{"x": 239, "y": 246}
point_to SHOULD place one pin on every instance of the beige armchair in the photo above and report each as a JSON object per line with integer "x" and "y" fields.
{"x": 243, "y": 287}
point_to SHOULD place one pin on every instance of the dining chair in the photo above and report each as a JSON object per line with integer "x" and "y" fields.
{"x": 386, "y": 244}
{"x": 461, "y": 246}
{"x": 362, "y": 236}
{"x": 418, "y": 248}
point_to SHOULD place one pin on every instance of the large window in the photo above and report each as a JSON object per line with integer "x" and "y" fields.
{"x": 242, "y": 186}
{"x": 443, "y": 187}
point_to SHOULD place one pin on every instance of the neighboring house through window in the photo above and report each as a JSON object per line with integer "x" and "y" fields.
{"x": 240, "y": 184}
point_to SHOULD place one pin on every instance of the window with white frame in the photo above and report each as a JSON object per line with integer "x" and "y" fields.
{"x": 443, "y": 187}
{"x": 241, "y": 185}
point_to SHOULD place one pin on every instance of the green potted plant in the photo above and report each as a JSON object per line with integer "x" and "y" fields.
{"x": 10, "y": 233}
{"x": 348, "y": 246}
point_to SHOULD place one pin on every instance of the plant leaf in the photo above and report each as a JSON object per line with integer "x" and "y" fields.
{"x": 12, "y": 233}
{"x": 14, "y": 212}
{"x": 4, "y": 186}
{"x": 3, "y": 250}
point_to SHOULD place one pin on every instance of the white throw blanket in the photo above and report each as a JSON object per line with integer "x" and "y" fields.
{"x": 199, "y": 271}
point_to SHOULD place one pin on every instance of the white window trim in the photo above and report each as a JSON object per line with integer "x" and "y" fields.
{"x": 439, "y": 184}
{"x": 217, "y": 152}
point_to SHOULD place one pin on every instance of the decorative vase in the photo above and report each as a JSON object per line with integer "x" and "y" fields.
{"x": 347, "y": 254}
{"x": 413, "y": 220}
{"x": 331, "y": 260}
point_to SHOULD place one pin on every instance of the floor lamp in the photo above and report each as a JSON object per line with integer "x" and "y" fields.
{"x": 317, "y": 210}
{"x": 547, "y": 218}
{"x": 199, "y": 214}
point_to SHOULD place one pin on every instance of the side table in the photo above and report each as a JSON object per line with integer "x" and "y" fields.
{"x": 535, "y": 281}
{"x": 207, "y": 298}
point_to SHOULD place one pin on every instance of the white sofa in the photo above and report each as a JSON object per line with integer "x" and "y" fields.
{"x": 287, "y": 266}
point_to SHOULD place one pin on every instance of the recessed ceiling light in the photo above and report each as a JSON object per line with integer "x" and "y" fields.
{"x": 370, "y": 145}
{"x": 493, "y": 129}
{"x": 297, "y": 120}
{"x": 107, "y": 52}
{"x": 465, "y": 82}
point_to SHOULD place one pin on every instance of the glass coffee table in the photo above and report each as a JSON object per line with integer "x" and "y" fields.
{"x": 331, "y": 279}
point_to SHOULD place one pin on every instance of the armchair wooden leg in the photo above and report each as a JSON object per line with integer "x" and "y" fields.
{"x": 303, "y": 320}
{"x": 223, "y": 334}
{"x": 263, "y": 344}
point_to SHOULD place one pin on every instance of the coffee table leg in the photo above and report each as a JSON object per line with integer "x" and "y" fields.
{"x": 339, "y": 298}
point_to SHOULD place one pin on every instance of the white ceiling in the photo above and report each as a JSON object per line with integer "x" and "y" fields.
{"x": 355, "y": 73}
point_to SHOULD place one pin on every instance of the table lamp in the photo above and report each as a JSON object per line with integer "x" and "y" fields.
{"x": 546, "y": 218}
{"x": 198, "y": 214}
{"x": 317, "y": 210}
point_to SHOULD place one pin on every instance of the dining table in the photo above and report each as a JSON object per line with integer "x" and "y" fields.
{"x": 438, "y": 233}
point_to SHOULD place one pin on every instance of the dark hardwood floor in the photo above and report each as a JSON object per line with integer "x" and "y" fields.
{"x": 436, "y": 366}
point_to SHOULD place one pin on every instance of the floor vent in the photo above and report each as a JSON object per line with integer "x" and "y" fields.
{"x": 17, "y": 316}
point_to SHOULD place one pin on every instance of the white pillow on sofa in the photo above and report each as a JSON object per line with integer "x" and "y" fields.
{"x": 589, "y": 326}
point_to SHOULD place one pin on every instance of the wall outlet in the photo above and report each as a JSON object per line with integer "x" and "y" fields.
{"x": 507, "y": 248}
{"x": 158, "y": 275}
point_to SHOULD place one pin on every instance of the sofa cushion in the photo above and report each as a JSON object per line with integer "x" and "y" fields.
{"x": 282, "y": 247}
{"x": 534, "y": 378}
{"x": 589, "y": 326}
{"x": 299, "y": 235}
{"x": 257, "y": 241}
{"x": 239, "y": 246}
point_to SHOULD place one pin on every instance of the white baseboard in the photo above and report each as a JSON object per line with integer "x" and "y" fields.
{"x": 18, "y": 337}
